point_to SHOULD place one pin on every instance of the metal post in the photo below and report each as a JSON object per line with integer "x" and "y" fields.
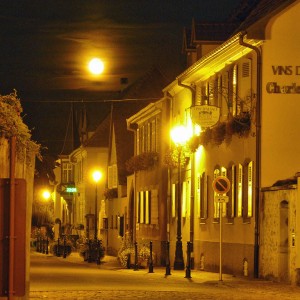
{"x": 58, "y": 248}
{"x": 179, "y": 263}
{"x": 47, "y": 245}
{"x": 96, "y": 208}
{"x": 43, "y": 246}
{"x": 150, "y": 259}
{"x": 90, "y": 254}
{"x": 65, "y": 248}
{"x": 98, "y": 244}
{"x": 136, "y": 267}
{"x": 188, "y": 263}
{"x": 168, "y": 270}
{"x": 220, "y": 216}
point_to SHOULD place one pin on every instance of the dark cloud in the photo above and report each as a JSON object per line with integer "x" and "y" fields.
{"x": 46, "y": 45}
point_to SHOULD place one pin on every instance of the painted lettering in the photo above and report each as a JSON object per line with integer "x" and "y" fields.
{"x": 282, "y": 70}
{"x": 274, "y": 88}
{"x": 297, "y": 70}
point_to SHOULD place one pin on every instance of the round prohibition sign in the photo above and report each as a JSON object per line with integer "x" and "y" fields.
{"x": 221, "y": 185}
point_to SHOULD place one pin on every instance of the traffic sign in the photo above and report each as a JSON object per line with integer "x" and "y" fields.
{"x": 221, "y": 185}
{"x": 222, "y": 199}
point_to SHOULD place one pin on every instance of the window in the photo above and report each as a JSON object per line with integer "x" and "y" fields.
{"x": 67, "y": 172}
{"x": 250, "y": 189}
{"x": 231, "y": 193}
{"x": 203, "y": 196}
{"x": 146, "y": 137}
{"x": 239, "y": 190}
{"x": 144, "y": 207}
{"x": 112, "y": 179}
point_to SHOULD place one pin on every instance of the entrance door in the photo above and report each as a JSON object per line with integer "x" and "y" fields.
{"x": 284, "y": 243}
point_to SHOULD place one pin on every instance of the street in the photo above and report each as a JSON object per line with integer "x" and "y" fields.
{"x": 70, "y": 278}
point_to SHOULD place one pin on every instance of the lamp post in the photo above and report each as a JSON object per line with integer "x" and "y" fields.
{"x": 96, "y": 176}
{"x": 179, "y": 137}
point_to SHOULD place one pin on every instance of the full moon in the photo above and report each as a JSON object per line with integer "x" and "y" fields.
{"x": 96, "y": 66}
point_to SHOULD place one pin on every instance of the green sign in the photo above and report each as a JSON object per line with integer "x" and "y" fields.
{"x": 71, "y": 189}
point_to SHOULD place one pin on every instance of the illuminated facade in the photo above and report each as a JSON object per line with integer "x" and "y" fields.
{"x": 253, "y": 80}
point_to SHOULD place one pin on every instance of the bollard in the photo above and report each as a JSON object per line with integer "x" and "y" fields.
{"x": 47, "y": 245}
{"x": 188, "y": 263}
{"x": 58, "y": 248}
{"x": 65, "y": 248}
{"x": 43, "y": 246}
{"x": 37, "y": 244}
{"x": 98, "y": 244}
{"x": 150, "y": 259}
{"x": 90, "y": 254}
{"x": 136, "y": 267}
{"x": 128, "y": 261}
{"x": 168, "y": 270}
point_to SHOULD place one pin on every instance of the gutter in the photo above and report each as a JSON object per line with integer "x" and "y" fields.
{"x": 192, "y": 211}
{"x": 258, "y": 151}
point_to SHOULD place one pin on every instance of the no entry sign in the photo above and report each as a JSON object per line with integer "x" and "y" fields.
{"x": 221, "y": 185}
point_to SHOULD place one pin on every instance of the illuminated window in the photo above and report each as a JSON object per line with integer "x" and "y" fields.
{"x": 67, "y": 172}
{"x": 144, "y": 207}
{"x": 240, "y": 191}
{"x": 250, "y": 189}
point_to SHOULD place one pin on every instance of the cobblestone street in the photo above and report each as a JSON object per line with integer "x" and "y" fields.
{"x": 71, "y": 278}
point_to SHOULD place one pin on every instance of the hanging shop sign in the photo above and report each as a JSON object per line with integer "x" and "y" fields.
{"x": 205, "y": 115}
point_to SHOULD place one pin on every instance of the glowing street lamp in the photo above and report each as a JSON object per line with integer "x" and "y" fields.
{"x": 46, "y": 194}
{"x": 179, "y": 136}
{"x": 97, "y": 175}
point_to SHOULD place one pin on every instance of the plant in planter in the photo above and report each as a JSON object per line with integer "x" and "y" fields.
{"x": 240, "y": 125}
{"x": 144, "y": 256}
{"x": 110, "y": 193}
{"x": 219, "y": 133}
{"x": 142, "y": 161}
{"x": 126, "y": 251}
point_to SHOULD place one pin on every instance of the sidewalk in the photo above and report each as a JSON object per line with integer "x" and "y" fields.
{"x": 111, "y": 262}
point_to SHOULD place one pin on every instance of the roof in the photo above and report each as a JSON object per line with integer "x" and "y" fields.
{"x": 260, "y": 12}
{"x": 100, "y": 137}
{"x": 137, "y": 96}
{"x": 211, "y": 32}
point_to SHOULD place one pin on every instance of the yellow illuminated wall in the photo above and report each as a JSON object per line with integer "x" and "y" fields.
{"x": 281, "y": 98}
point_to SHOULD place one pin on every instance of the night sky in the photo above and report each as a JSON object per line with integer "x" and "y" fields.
{"x": 45, "y": 46}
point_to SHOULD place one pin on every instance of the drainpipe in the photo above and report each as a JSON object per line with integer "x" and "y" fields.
{"x": 258, "y": 152}
{"x": 193, "y": 92}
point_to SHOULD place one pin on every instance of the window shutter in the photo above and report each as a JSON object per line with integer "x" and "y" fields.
{"x": 232, "y": 200}
{"x": 198, "y": 194}
{"x": 225, "y": 94}
{"x": 245, "y": 84}
{"x": 110, "y": 177}
{"x": 138, "y": 145}
{"x": 216, "y": 204}
{"x": 153, "y": 135}
{"x": 114, "y": 176}
{"x": 142, "y": 208}
{"x": 154, "y": 206}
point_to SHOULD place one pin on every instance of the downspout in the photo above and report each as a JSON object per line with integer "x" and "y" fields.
{"x": 258, "y": 152}
{"x": 192, "y": 221}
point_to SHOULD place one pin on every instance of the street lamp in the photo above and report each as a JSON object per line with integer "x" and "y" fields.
{"x": 97, "y": 175}
{"x": 179, "y": 137}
